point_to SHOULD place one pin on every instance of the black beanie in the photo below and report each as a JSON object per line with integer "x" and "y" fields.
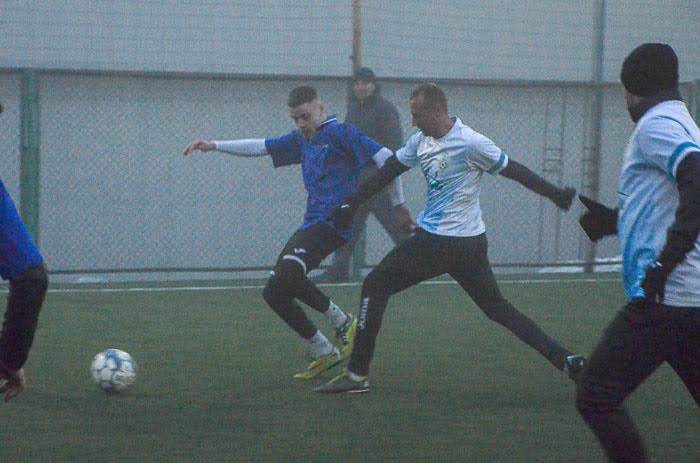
{"x": 365, "y": 75}
{"x": 650, "y": 68}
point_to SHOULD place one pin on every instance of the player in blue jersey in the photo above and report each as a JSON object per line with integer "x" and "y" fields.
{"x": 657, "y": 224}
{"x": 451, "y": 237}
{"x": 331, "y": 155}
{"x": 21, "y": 264}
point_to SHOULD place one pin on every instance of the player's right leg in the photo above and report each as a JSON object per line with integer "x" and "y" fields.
{"x": 631, "y": 348}
{"x": 417, "y": 259}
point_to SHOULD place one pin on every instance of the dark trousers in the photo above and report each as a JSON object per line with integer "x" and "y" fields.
{"x": 640, "y": 338}
{"x": 424, "y": 256}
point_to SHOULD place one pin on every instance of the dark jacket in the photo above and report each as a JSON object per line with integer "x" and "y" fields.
{"x": 377, "y": 118}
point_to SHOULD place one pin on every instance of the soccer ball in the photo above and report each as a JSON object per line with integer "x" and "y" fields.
{"x": 113, "y": 370}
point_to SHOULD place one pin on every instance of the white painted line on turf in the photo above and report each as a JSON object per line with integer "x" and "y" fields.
{"x": 137, "y": 289}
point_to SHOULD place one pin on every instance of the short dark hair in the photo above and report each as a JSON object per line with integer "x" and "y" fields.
{"x": 300, "y": 95}
{"x": 433, "y": 96}
{"x": 365, "y": 75}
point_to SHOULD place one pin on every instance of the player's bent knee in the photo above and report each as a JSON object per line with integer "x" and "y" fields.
{"x": 286, "y": 278}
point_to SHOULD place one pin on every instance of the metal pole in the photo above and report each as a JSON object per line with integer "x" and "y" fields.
{"x": 29, "y": 154}
{"x": 356, "y": 35}
{"x": 592, "y": 154}
{"x": 359, "y": 253}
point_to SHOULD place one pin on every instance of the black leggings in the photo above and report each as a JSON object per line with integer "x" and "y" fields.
{"x": 424, "y": 256}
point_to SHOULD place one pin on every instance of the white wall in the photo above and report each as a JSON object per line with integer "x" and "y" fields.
{"x": 498, "y": 39}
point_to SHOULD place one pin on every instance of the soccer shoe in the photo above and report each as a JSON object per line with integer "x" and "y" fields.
{"x": 321, "y": 364}
{"x": 346, "y": 336}
{"x": 573, "y": 365}
{"x": 343, "y": 384}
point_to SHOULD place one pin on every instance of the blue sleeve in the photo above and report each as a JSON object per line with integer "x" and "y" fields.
{"x": 360, "y": 144}
{"x": 285, "y": 150}
{"x": 17, "y": 250}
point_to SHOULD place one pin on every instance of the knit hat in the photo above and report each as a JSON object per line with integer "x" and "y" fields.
{"x": 650, "y": 68}
{"x": 365, "y": 75}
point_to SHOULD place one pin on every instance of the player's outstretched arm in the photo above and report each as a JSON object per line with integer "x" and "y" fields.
{"x": 562, "y": 197}
{"x": 248, "y": 147}
{"x": 342, "y": 215}
{"x": 200, "y": 145}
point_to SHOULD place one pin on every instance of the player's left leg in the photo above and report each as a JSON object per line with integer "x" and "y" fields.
{"x": 474, "y": 274}
{"x": 685, "y": 357}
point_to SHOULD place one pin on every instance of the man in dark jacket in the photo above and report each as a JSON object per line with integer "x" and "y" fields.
{"x": 377, "y": 118}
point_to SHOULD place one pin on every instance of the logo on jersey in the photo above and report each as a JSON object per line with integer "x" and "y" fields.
{"x": 299, "y": 251}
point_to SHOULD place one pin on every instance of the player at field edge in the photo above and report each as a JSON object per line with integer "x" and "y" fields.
{"x": 657, "y": 224}
{"x": 331, "y": 155}
{"x": 376, "y": 117}
{"x": 22, "y": 264}
{"x": 451, "y": 237}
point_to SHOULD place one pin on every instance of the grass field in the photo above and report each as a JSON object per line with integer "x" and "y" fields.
{"x": 215, "y": 381}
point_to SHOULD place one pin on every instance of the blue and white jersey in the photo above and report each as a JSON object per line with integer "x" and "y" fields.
{"x": 330, "y": 162}
{"x": 453, "y": 167}
{"x": 17, "y": 250}
{"x": 648, "y": 197}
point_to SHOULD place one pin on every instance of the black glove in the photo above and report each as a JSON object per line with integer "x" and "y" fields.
{"x": 598, "y": 221}
{"x": 654, "y": 282}
{"x": 343, "y": 214}
{"x": 565, "y": 198}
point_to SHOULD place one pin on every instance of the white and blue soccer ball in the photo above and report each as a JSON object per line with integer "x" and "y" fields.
{"x": 113, "y": 370}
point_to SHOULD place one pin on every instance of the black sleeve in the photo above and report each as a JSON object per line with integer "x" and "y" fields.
{"x": 683, "y": 232}
{"x": 530, "y": 180}
{"x": 391, "y": 169}
{"x": 521, "y": 174}
{"x": 27, "y": 291}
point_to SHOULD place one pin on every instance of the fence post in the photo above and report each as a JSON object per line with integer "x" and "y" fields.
{"x": 29, "y": 153}
{"x": 359, "y": 253}
{"x": 591, "y": 157}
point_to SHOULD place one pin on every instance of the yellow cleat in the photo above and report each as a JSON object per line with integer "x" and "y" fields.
{"x": 321, "y": 364}
{"x": 346, "y": 336}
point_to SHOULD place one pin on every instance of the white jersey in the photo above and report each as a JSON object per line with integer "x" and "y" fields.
{"x": 453, "y": 166}
{"x": 648, "y": 197}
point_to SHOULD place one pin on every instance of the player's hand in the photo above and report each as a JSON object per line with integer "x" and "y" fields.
{"x": 14, "y": 382}
{"x": 199, "y": 144}
{"x": 565, "y": 198}
{"x": 598, "y": 221}
{"x": 654, "y": 282}
{"x": 403, "y": 218}
{"x": 343, "y": 214}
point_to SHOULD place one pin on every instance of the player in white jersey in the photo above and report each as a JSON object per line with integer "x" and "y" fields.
{"x": 451, "y": 235}
{"x": 657, "y": 224}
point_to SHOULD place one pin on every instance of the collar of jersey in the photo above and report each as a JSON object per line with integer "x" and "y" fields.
{"x": 323, "y": 124}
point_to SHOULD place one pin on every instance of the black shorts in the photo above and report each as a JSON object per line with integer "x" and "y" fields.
{"x": 309, "y": 246}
